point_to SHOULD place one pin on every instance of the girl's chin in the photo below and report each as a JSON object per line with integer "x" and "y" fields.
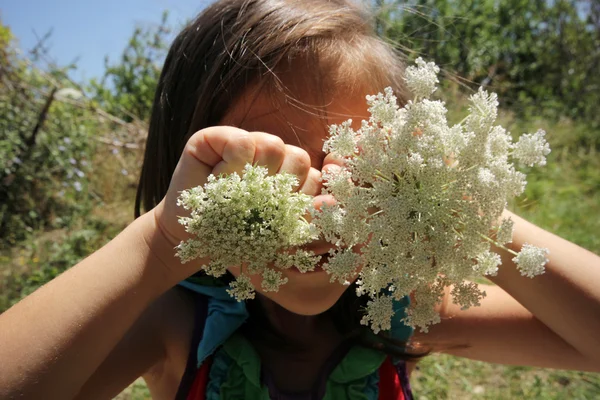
{"x": 307, "y": 299}
{"x": 305, "y": 293}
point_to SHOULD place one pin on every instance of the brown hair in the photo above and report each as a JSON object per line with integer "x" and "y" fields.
{"x": 233, "y": 44}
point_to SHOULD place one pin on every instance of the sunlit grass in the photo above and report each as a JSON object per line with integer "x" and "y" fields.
{"x": 447, "y": 377}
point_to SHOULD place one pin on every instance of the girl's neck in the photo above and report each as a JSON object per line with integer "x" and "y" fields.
{"x": 306, "y": 330}
{"x": 314, "y": 338}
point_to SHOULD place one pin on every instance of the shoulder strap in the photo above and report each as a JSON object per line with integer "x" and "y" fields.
{"x": 390, "y": 386}
{"x": 190, "y": 373}
{"x": 198, "y": 388}
{"x": 393, "y": 381}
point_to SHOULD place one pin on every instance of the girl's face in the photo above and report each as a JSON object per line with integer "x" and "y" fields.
{"x": 305, "y": 293}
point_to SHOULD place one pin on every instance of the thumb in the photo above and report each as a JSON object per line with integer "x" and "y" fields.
{"x": 219, "y": 149}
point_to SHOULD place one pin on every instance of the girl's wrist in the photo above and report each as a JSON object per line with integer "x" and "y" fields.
{"x": 162, "y": 260}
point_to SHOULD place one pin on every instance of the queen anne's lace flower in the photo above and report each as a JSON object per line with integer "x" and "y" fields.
{"x": 531, "y": 260}
{"x": 418, "y": 204}
{"x": 505, "y": 231}
{"x": 379, "y": 314}
{"x": 251, "y": 220}
{"x": 272, "y": 279}
{"x": 428, "y": 195}
{"x": 341, "y": 139}
{"x": 241, "y": 288}
{"x": 532, "y": 149}
{"x": 467, "y": 294}
{"x": 422, "y": 80}
{"x": 487, "y": 263}
{"x": 342, "y": 265}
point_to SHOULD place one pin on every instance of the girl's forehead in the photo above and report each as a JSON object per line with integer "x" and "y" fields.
{"x": 298, "y": 121}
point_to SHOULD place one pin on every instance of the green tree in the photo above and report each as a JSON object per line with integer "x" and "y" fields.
{"x": 44, "y": 146}
{"x": 127, "y": 88}
{"x": 541, "y": 56}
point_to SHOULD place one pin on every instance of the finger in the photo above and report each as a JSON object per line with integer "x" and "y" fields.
{"x": 330, "y": 169}
{"x": 270, "y": 151}
{"x": 203, "y": 152}
{"x": 323, "y": 200}
{"x": 332, "y": 165}
{"x": 312, "y": 185}
{"x": 296, "y": 162}
{"x": 208, "y": 145}
{"x": 236, "y": 148}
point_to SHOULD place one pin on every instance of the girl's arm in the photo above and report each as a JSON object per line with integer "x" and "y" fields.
{"x": 70, "y": 333}
{"x": 552, "y": 320}
{"x": 55, "y": 339}
{"x": 156, "y": 347}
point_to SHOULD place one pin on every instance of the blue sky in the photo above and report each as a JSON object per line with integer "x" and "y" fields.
{"x": 89, "y": 30}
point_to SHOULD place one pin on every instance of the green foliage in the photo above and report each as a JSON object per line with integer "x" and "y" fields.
{"x": 136, "y": 391}
{"x": 47, "y": 256}
{"x": 127, "y": 88}
{"x": 63, "y": 162}
{"x": 44, "y": 148}
{"x": 542, "y": 57}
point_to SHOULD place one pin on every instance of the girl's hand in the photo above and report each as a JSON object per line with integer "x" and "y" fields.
{"x": 224, "y": 150}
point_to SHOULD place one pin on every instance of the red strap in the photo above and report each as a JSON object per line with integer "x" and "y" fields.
{"x": 390, "y": 387}
{"x": 198, "y": 389}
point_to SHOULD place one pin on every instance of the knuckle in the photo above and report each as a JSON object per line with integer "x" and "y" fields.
{"x": 300, "y": 157}
{"x": 273, "y": 146}
{"x": 243, "y": 146}
{"x": 269, "y": 148}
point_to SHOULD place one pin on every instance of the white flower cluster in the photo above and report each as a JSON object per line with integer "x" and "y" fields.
{"x": 418, "y": 198}
{"x": 254, "y": 221}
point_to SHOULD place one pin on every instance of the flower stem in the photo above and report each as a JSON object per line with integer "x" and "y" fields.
{"x": 495, "y": 243}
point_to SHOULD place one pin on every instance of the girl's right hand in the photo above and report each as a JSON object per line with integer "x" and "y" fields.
{"x": 224, "y": 150}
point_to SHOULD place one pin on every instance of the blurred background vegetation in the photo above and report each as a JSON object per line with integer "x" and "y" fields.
{"x": 70, "y": 151}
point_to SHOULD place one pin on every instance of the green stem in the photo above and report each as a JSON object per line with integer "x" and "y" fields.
{"x": 380, "y": 175}
{"x": 470, "y": 168}
{"x": 495, "y": 243}
{"x": 446, "y": 185}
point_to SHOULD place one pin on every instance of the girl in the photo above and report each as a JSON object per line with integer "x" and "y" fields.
{"x": 260, "y": 81}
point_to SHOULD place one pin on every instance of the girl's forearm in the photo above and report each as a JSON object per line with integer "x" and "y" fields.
{"x": 566, "y": 297}
{"x": 54, "y": 340}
